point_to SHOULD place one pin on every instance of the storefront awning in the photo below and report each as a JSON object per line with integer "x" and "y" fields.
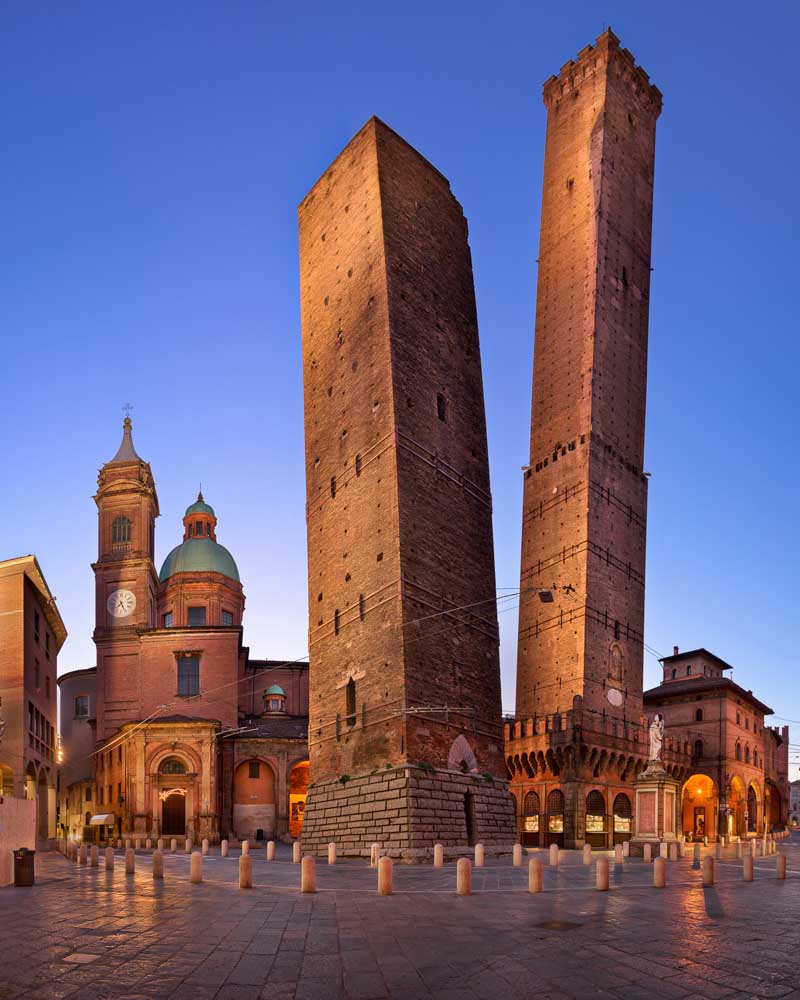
{"x": 102, "y": 819}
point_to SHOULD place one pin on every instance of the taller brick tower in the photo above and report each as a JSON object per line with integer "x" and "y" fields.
{"x": 580, "y": 653}
{"x": 405, "y": 732}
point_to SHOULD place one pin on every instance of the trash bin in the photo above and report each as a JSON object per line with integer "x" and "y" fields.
{"x": 23, "y": 866}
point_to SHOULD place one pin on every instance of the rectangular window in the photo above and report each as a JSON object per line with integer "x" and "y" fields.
{"x": 47, "y": 687}
{"x": 119, "y": 791}
{"x": 168, "y": 620}
{"x": 36, "y": 678}
{"x": 188, "y": 675}
{"x": 255, "y": 770}
{"x": 89, "y": 793}
{"x": 82, "y": 706}
{"x": 36, "y": 625}
{"x": 227, "y": 618}
{"x": 197, "y": 617}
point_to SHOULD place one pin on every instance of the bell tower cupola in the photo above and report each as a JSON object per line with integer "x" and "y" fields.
{"x": 199, "y": 521}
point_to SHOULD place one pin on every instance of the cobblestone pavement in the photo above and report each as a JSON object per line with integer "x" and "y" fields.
{"x": 86, "y": 933}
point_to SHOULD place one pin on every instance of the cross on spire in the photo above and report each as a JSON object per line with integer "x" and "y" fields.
{"x": 126, "y": 409}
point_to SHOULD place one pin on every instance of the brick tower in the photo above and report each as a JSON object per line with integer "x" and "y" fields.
{"x": 585, "y": 493}
{"x": 405, "y": 733}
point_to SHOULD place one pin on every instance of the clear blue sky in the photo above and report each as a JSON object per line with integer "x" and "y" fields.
{"x": 154, "y": 155}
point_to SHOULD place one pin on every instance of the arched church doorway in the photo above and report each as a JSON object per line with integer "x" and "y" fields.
{"x": 298, "y": 789}
{"x": 173, "y": 813}
{"x": 700, "y": 808}
{"x": 254, "y": 800}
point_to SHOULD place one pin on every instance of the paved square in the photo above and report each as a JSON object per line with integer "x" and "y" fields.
{"x": 198, "y": 942}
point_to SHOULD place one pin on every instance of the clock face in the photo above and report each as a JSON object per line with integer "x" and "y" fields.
{"x": 121, "y": 603}
{"x": 615, "y": 697}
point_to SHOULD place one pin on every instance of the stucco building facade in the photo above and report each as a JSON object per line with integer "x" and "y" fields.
{"x": 31, "y": 636}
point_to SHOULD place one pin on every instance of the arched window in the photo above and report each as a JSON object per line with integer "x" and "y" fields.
{"x": 172, "y": 765}
{"x": 121, "y": 530}
{"x": 755, "y": 758}
{"x": 674, "y": 673}
{"x": 622, "y": 813}
{"x": 738, "y": 719}
{"x": 555, "y": 811}
{"x": 698, "y": 748}
{"x": 747, "y": 755}
{"x": 738, "y": 751}
{"x": 531, "y": 805}
{"x": 595, "y": 812}
{"x": 698, "y": 715}
{"x": 689, "y": 670}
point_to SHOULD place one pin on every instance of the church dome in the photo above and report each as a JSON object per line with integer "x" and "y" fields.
{"x": 199, "y": 555}
{"x": 200, "y": 507}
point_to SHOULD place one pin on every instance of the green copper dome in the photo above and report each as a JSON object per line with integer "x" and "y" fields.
{"x": 200, "y": 507}
{"x": 199, "y": 555}
{"x": 275, "y": 689}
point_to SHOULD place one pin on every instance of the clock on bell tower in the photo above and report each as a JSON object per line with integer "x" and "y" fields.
{"x": 125, "y": 575}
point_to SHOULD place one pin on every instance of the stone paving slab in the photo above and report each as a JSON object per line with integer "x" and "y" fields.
{"x": 86, "y": 933}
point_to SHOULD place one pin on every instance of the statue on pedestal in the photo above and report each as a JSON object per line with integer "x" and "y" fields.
{"x": 657, "y": 740}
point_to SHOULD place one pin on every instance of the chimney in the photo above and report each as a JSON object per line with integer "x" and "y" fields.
{"x": 675, "y": 651}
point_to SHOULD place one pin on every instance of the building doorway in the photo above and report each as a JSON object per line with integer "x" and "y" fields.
{"x": 298, "y": 790}
{"x": 555, "y": 817}
{"x": 530, "y": 829}
{"x": 622, "y": 818}
{"x": 173, "y": 814}
{"x": 596, "y": 820}
{"x": 752, "y": 810}
{"x": 700, "y": 808}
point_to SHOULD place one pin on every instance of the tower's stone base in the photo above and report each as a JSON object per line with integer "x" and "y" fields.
{"x": 407, "y": 810}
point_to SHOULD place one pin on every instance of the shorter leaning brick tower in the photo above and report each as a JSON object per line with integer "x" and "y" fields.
{"x": 405, "y": 733}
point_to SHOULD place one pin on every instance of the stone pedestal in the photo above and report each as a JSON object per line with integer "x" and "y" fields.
{"x": 655, "y": 810}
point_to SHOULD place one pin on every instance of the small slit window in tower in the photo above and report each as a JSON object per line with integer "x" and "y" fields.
{"x": 333, "y": 486}
{"x": 350, "y": 702}
{"x": 362, "y": 607}
{"x": 698, "y": 715}
{"x": 358, "y": 465}
{"x": 616, "y": 630}
{"x": 336, "y": 621}
{"x": 441, "y": 407}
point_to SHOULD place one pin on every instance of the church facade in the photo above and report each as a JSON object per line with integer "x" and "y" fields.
{"x": 192, "y": 736}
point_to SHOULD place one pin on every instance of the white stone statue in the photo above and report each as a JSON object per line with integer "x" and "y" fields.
{"x": 657, "y": 739}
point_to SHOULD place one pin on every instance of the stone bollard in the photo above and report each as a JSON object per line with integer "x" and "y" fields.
{"x": 245, "y": 871}
{"x": 601, "y": 874}
{"x": 718, "y": 851}
{"x": 187, "y": 846}
{"x": 160, "y": 844}
{"x": 747, "y": 870}
{"x": 223, "y": 848}
{"x": 158, "y": 865}
{"x": 705, "y": 841}
{"x": 296, "y": 852}
{"x": 331, "y": 853}
{"x": 94, "y": 856}
{"x": 204, "y": 846}
{"x": 752, "y": 848}
{"x": 780, "y": 866}
{"x": 647, "y": 854}
{"x": 82, "y": 854}
{"x": 739, "y": 850}
{"x": 438, "y": 855}
{"x": 516, "y": 855}
{"x": 127, "y": 845}
{"x": 587, "y": 854}
{"x": 708, "y": 870}
{"x": 626, "y": 849}
{"x": 270, "y": 850}
{"x": 110, "y": 859}
{"x": 196, "y": 867}
{"x": 173, "y": 845}
{"x": 119, "y": 845}
{"x": 479, "y": 856}
{"x": 308, "y": 874}
{"x": 674, "y": 851}
{"x": 130, "y": 861}
{"x": 384, "y": 876}
{"x": 619, "y": 856}
{"x": 463, "y": 877}
{"x": 137, "y": 844}
{"x": 659, "y": 873}
{"x": 374, "y": 854}
{"x": 663, "y": 849}
{"x": 534, "y": 875}
{"x": 681, "y": 848}
{"x": 696, "y": 856}
{"x": 245, "y": 847}
{"x": 554, "y": 855}
{"x": 148, "y": 844}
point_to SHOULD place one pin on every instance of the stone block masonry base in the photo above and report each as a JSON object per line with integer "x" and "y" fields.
{"x": 407, "y": 810}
